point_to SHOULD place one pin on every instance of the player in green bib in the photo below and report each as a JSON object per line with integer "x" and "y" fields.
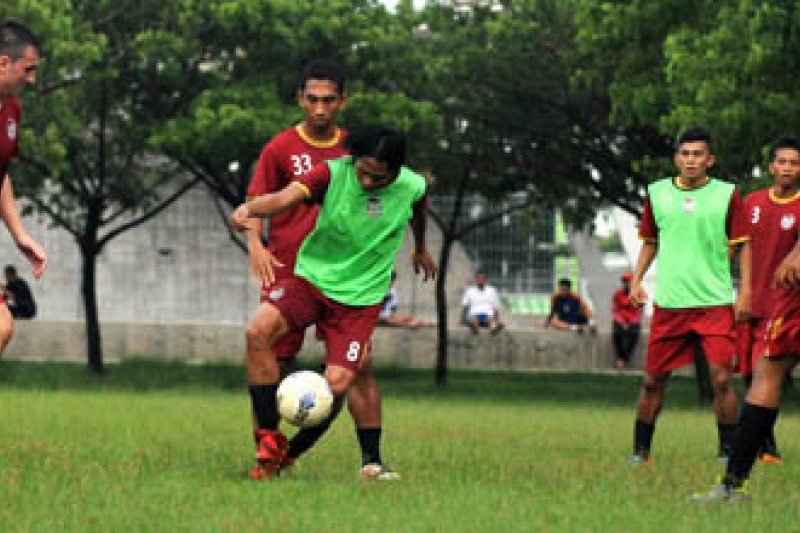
{"x": 343, "y": 270}
{"x": 688, "y": 222}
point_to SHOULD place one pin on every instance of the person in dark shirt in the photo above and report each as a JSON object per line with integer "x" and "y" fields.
{"x": 568, "y": 310}
{"x": 18, "y": 295}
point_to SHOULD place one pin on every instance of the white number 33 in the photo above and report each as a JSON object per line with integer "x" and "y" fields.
{"x": 302, "y": 164}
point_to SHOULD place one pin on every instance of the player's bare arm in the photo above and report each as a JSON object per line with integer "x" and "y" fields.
{"x": 421, "y": 257}
{"x": 32, "y": 250}
{"x": 787, "y": 275}
{"x": 268, "y": 205}
{"x": 744, "y": 297}
{"x": 638, "y": 296}
{"x": 262, "y": 261}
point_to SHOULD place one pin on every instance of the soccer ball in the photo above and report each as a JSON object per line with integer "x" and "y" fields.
{"x": 304, "y": 398}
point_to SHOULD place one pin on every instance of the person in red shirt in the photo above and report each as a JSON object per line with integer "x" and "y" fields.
{"x": 19, "y": 60}
{"x": 771, "y": 220}
{"x": 289, "y": 155}
{"x": 627, "y": 322}
{"x": 779, "y": 352}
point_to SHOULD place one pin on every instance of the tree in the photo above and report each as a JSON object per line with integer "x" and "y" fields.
{"x": 518, "y": 129}
{"x": 262, "y": 46}
{"x": 119, "y": 70}
{"x": 729, "y": 67}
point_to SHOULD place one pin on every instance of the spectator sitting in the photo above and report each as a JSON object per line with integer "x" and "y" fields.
{"x": 569, "y": 311}
{"x": 389, "y": 315}
{"x": 480, "y": 306}
{"x": 18, "y": 295}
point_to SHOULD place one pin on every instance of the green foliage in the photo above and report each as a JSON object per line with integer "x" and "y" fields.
{"x": 111, "y": 75}
{"x": 728, "y": 66}
{"x": 259, "y": 48}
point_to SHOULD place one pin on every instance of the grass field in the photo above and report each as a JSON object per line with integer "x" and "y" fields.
{"x": 165, "y": 447}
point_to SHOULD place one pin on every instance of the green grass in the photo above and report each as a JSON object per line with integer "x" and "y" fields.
{"x": 164, "y": 447}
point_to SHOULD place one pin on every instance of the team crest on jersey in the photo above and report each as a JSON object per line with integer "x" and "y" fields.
{"x": 374, "y": 207}
{"x": 787, "y": 221}
{"x": 11, "y": 130}
{"x": 689, "y": 205}
{"x": 276, "y": 294}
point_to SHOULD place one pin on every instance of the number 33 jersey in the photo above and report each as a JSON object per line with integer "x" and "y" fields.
{"x": 288, "y": 156}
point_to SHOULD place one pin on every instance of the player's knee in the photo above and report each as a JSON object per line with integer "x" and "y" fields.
{"x": 261, "y": 331}
{"x": 721, "y": 380}
{"x": 654, "y": 384}
{"x": 340, "y": 379}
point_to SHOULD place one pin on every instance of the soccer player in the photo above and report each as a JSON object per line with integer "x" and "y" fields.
{"x": 771, "y": 220}
{"x": 760, "y": 411}
{"x": 19, "y": 60}
{"x": 342, "y": 273}
{"x": 291, "y": 154}
{"x": 687, "y": 221}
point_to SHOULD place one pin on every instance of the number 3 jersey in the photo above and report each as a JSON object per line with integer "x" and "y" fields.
{"x": 771, "y": 225}
{"x": 284, "y": 159}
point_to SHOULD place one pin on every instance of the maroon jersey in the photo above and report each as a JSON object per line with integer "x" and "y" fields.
{"x": 288, "y": 156}
{"x": 10, "y": 114}
{"x": 771, "y": 225}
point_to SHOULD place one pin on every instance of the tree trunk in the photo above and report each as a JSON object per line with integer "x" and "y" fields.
{"x": 89, "y": 251}
{"x": 441, "y": 311}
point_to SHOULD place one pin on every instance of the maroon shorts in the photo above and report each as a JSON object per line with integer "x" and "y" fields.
{"x": 674, "y": 334}
{"x": 750, "y": 344}
{"x": 346, "y": 330}
{"x": 288, "y": 346}
{"x": 783, "y": 329}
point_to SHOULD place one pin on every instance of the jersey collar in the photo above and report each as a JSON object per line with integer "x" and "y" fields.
{"x": 330, "y": 143}
{"x": 788, "y": 200}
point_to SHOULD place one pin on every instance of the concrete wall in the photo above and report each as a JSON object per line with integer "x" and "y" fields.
{"x": 514, "y": 349}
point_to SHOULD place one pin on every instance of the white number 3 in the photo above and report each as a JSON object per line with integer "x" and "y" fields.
{"x": 352, "y": 351}
{"x": 756, "y": 215}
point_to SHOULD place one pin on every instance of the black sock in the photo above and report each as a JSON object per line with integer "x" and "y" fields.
{"x": 727, "y": 433}
{"x": 643, "y": 437}
{"x": 307, "y": 437}
{"x": 370, "y": 441}
{"x": 265, "y": 406}
{"x": 770, "y": 445}
{"x": 754, "y": 423}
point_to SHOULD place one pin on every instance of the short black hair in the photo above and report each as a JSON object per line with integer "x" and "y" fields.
{"x": 10, "y": 269}
{"x": 385, "y": 144}
{"x": 323, "y": 69}
{"x": 15, "y": 37}
{"x": 695, "y": 134}
{"x": 786, "y": 141}
{"x": 565, "y": 282}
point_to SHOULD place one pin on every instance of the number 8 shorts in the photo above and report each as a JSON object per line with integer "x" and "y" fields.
{"x": 345, "y": 329}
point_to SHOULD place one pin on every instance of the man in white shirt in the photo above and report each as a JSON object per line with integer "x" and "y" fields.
{"x": 480, "y": 304}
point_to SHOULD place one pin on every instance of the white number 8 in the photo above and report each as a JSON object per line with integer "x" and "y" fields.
{"x": 352, "y": 351}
